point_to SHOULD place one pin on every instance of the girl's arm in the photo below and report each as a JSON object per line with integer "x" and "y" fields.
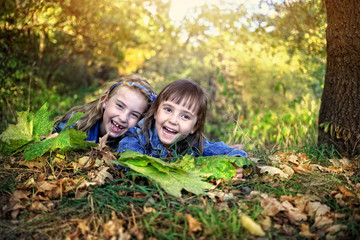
{"x": 131, "y": 142}
{"x": 220, "y": 148}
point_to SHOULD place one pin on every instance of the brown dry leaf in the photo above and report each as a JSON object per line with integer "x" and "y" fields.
{"x": 273, "y": 171}
{"x": 19, "y": 194}
{"x": 303, "y": 168}
{"x": 102, "y": 175}
{"x": 15, "y": 213}
{"x": 102, "y": 142}
{"x": 14, "y": 208}
{"x": 136, "y": 231}
{"x": 82, "y": 225}
{"x": 220, "y": 196}
{"x": 305, "y": 231}
{"x": 294, "y": 213}
{"x": 317, "y": 207}
{"x": 194, "y": 224}
{"x": 287, "y": 170}
{"x": 345, "y": 193}
{"x": 322, "y": 220}
{"x": 298, "y": 201}
{"x": 293, "y": 159}
{"x": 342, "y": 164}
{"x": 41, "y": 198}
{"x": 33, "y": 164}
{"x": 266, "y": 223}
{"x": 45, "y": 186}
{"x": 38, "y": 206}
{"x": 335, "y": 228}
{"x": 317, "y": 167}
{"x": 114, "y": 227}
{"x": 68, "y": 184}
{"x": 50, "y": 189}
{"x": 108, "y": 156}
{"x": 271, "y": 206}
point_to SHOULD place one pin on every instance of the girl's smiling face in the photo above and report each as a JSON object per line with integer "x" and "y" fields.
{"x": 122, "y": 111}
{"x": 174, "y": 121}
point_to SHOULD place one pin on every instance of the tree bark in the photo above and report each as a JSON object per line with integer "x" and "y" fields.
{"x": 339, "y": 119}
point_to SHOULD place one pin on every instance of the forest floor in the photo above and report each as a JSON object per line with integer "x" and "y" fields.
{"x": 287, "y": 195}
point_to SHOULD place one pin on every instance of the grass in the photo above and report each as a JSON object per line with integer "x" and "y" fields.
{"x": 147, "y": 212}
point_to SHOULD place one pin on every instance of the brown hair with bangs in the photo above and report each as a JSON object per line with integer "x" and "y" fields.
{"x": 190, "y": 95}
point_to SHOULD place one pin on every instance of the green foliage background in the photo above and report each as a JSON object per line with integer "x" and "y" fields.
{"x": 264, "y": 73}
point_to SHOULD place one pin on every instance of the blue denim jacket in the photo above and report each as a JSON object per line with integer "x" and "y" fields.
{"x": 92, "y": 134}
{"x": 136, "y": 141}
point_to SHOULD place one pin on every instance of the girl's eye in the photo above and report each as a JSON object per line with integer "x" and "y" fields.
{"x": 120, "y": 106}
{"x": 186, "y": 117}
{"x": 135, "y": 116}
{"x": 167, "y": 109}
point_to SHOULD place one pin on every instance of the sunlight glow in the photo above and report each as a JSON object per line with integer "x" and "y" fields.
{"x": 179, "y": 8}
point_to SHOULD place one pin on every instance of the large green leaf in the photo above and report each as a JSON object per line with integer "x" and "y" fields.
{"x": 26, "y": 135}
{"x": 37, "y": 149}
{"x": 221, "y": 166}
{"x": 42, "y": 124}
{"x": 22, "y": 131}
{"x": 67, "y": 140}
{"x": 169, "y": 177}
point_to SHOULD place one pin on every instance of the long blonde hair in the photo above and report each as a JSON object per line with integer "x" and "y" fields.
{"x": 192, "y": 96}
{"x": 93, "y": 111}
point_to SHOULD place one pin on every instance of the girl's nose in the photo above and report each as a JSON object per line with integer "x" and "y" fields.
{"x": 124, "y": 117}
{"x": 173, "y": 119}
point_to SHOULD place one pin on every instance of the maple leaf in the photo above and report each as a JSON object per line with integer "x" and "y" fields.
{"x": 41, "y": 121}
{"x": 169, "y": 177}
{"x": 67, "y": 139}
{"x": 16, "y": 136}
{"x": 26, "y": 134}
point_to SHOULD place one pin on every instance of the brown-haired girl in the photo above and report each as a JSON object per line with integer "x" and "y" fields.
{"x": 174, "y": 125}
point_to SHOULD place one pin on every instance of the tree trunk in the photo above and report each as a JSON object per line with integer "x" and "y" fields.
{"x": 339, "y": 119}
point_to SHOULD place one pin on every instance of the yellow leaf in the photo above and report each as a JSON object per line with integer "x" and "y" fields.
{"x": 252, "y": 226}
{"x": 305, "y": 231}
{"x": 194, "y": 225}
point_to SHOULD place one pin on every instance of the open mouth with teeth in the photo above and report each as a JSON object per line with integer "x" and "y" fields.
{"x": 169, "y": 131}
{"x": 115, "y": 127}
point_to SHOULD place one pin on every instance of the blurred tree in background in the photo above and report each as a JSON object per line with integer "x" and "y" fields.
{"x": 263, "y": 72}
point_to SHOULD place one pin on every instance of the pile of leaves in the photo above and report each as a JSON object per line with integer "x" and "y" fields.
{"x": 91, "y": 192}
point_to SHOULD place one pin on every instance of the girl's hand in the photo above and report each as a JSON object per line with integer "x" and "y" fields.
{"x": 238, "y": 146}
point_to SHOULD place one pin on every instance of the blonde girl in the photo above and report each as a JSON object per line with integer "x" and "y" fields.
{"x": 120, "y": 107}
{"x": 174, "y": 125}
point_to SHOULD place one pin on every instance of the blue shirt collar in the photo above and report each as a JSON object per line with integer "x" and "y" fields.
{"x": 93, "y": 133}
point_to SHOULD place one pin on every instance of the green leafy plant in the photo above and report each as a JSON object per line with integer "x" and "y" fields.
{"x": 169, "y": 176}
{"x": 219, "y": 167}
{"x": 186, "y": 173}
{"x": 31, "y": 128}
